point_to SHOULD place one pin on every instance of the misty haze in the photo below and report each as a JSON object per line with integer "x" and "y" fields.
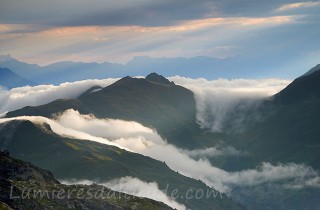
{"x": 159, "y": 105}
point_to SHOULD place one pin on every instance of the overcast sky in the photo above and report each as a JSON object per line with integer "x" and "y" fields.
{"x": 45, "y": 31}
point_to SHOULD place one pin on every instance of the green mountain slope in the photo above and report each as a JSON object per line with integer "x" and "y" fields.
{"x": 24, "y": 186}
{"x": 154, "y": 102}
{"x": 69, "y": 158}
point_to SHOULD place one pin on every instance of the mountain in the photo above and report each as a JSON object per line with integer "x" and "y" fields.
{"x": 26, "y": 70}
{"x": 154, "y": 77}
{"x": 10, "y": 80}
{"x": 303, "y": 89}
{"x": 79, "y": 159}
{"x": 17, "y": 176}
{"x": 290, "y": 129}
{"x": 74, "y": 71}
{"x": 154, "y": 102}
{"x": 62, "y": 71}
{"x": 194, "y": 67}
{"x": 286, "y": 130}
{"x": 312, "y": 70}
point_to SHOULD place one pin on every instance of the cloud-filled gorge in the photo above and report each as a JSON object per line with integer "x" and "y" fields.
{"x": 217, "y": 100}
{"x": 147, "y": 142}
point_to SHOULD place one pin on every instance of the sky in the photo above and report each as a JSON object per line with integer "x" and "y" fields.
{"x": 44, "y": 31}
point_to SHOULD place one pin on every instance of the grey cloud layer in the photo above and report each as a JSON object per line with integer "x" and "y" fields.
{"x": 126, "y": 12}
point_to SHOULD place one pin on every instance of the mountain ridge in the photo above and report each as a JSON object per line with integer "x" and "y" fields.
{"x": 194, "y": 67}
{"x": 161, "y": 106}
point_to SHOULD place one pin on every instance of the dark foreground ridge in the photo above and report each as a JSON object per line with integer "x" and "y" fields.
{"x": 24, "y": 186}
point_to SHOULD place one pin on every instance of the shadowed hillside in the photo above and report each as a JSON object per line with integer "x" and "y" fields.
{"x": 18, "y": 177}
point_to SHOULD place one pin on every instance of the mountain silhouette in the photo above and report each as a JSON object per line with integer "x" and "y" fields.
{"x": 9, "y": 79}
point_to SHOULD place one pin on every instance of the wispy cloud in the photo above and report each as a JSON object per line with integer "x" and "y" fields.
{"x": 217, "y": 100}
{"x": 298, "y": 5}
{"x": 220, "y": 150}
{"x": 153, "y": 146}
{"x": 101, "y": 31}
{"x": 122, "y": 43}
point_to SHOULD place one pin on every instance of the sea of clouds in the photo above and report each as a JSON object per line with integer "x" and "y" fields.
{"x": 147, "y": 142}
{"x": 214, "y": 100}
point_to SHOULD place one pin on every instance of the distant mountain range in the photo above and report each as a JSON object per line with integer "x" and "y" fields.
{"x": 9, "y": 79}
{"x": 195, "y": 67}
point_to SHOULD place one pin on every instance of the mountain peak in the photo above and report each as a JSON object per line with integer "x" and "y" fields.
{"x": 303, "y": 89}
{"x": 154, "y": 77}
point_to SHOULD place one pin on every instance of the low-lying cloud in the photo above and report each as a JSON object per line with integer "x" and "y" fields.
{"x": 220, "y": 103}
{"x": 63, "y": 131}
{"x": 224, "y": 101}
{"x": 220, "y": 150}
{"x": 113, "y": 129}
{"x": 149, "y": 143}
{"x": 17, "y": 98}
{"x": 133, "y": 186}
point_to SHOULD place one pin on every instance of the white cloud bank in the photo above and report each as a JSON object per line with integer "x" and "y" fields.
{"x": 217, "y": 100}
{"x": 17, "y": 98}
{"x": 133, "y": 186}
{"x": 149, "y": 143}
